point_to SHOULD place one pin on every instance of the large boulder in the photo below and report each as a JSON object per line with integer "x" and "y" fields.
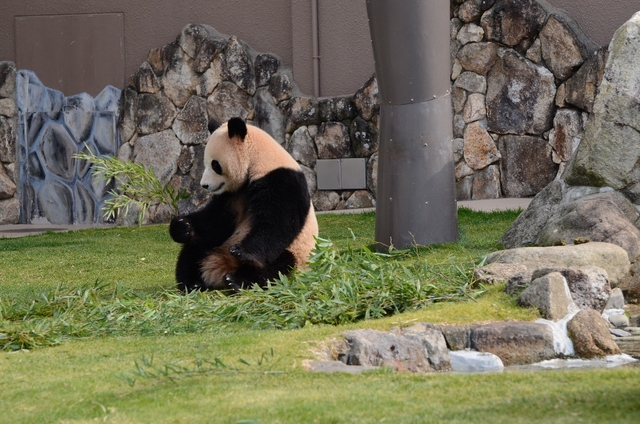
{"x": 610, "y": 150}
{"x": 613, "y": 259}
{"x": 520, "y": 95}
{"x": 590, "y": 335}
{"x": 514, "y": 343}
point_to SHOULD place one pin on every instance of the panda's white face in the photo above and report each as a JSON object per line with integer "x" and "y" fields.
{"x": 224, "y": 167}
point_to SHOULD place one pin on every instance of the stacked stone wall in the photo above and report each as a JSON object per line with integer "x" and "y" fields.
{"x": 205, "y": 75}
{"x": 9, "y": 194}
{"x": 524, "y": 77}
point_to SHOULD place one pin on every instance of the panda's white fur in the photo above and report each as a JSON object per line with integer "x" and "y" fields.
{"x": 261, "y": 202}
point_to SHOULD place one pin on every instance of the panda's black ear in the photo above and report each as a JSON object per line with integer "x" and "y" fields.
{"x": 237, "y": 127}
{"x": 213, "y": 125}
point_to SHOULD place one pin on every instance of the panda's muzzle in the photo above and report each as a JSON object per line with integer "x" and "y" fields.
{"x": 217, "y": 188}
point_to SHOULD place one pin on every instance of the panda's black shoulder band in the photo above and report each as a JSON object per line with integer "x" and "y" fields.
{"x": 213, "y": 125}
{"x": 237, "y": 127}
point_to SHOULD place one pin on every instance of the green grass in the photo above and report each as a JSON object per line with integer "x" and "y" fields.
{"x": 127, "y": 348}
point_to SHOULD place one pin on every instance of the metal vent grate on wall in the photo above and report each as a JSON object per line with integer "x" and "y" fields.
{"x": 341, "y": 174}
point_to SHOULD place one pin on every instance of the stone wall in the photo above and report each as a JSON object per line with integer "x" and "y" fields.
{"x": 524, "y": 78}
{"x": 206, "y": 75}
{"x": 9, "y": 202}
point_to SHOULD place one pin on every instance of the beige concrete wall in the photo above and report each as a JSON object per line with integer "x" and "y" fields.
{"x": 599, "y": 19}
{"x": 282, "y": 27}
{"x": 265, "y": 25}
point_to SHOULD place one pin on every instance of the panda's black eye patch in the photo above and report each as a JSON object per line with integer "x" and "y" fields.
{"x": 215, "y": 165}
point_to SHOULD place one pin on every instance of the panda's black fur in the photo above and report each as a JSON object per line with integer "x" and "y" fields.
{"x": 249, "y": 230}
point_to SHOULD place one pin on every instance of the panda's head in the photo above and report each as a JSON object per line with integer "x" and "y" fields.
{"x": 226, "y": 164}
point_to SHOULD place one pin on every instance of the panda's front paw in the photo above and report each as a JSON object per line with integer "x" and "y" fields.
{"x": 236, "y": 250}
{"x": 180, "y": 230}
{"x": 232, "y": 283}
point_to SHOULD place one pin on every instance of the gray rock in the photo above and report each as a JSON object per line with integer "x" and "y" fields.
{"x": 475, "y": 108}
{"x": 7, "y": 79}
{"x": 520, "y": 95}
{"x": 518, "y": 282}
{"x": 201, "y": 43}
{"x": 462, "y": 170}
{"x": 511, "y": 22}
{"x": 376, "y": 348}
{"x": 472, "y": 9}
{"x": 527, "y": 165}
{"x": 479, "y": 148}
{"x": 145, "y": 80}
{"x": 337, "y": 366}
{"x": 463, "y": 188}
{"x": 154, "y": 113}
{"x": 471, "y": 82}
{"x": 434, "y": 343}
{"x": 8, "y": 108}
{"x": 619, "y": 333}
{"x": 497, "y": 272}
{"x": 179, "y": 81}
{"x": 311, "y": 178}
{"x": 364, "y": 137}
{"x": 281, "y": 86}
{"x": 515, "y": 343}
{"x": 589, "y": 285}
{"x": 458, "y": 99}
{"x": 566, "y": 134}
{"x": 7, "y": 187}
{"x": 159, "y": 152}
{"x": 609, "y": 152}
{"x": 360, "y": 199}
{"x": 29, "y": 91}
{"x": 613, "y": 259}
{"x": 366, "y": 99}
{"x": 486, "y": 183}
{"x": 470, "y": 33}
{"x": 9, "y": 211}
{"x": 616, "y": 300}
{"x": 560, "y": 49}
{"x": 302, "y": 148}
{"x": 590, "y": 335}
{"x": 456, "y": 336}
{"x": 581, "y": 88}
{"x": 265, "y": 66}
{"x": 228, "y": 101}
{"x": 550, "y": 294}
{"x": 239, "y": 66}
{"x": 127, "y": 118}
{"x": 268, "y": 116}
{"x": 211, "y": 78}
{"x": 333, "y": 141}
{"x": 619, "y": 321}
{"x": 301, "y": 111}
{"x": 472, "y": 361}
{"x": 598, "y": 217}
{"x": 8, "y": 133}
{"x": 190, "y": 125}
{"x": 325, "y": 200}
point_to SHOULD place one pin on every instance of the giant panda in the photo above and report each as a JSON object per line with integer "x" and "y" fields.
{"x": 259, "y": 222}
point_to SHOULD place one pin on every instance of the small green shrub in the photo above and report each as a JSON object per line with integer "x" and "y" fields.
{"x": 135, "y": 185}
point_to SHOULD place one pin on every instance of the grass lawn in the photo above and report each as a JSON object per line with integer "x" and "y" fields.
{"x": 109, "y": 339}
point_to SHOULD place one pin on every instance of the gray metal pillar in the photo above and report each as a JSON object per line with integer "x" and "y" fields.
{"x": 416, "y": 201}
